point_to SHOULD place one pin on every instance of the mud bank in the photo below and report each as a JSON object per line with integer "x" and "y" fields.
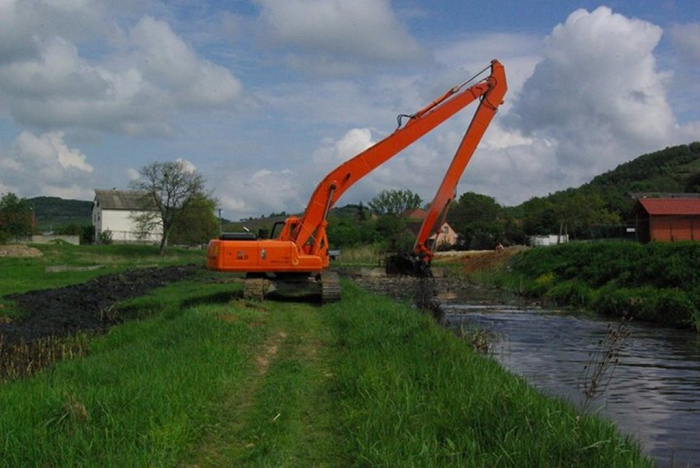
{"x": 84, "y": 307}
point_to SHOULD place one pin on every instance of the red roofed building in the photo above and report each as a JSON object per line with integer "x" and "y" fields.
{"x": 445, "y": 235}
{"x": 668, "y": 219}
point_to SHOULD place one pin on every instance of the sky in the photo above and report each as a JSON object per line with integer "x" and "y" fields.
{"x": 265, "y": 97}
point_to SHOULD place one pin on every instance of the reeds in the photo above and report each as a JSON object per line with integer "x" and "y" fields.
{"x": 603, "y": 361}
{"x": 23, "y": 359}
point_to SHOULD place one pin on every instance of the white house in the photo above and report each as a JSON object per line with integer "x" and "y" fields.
{"x": 445, "y": 235}
{"x": 114, "y": 211}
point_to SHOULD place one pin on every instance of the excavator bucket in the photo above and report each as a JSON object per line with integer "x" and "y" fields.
{"x": 407, "y": 264}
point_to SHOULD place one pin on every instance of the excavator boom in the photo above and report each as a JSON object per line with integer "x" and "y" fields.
{"x": 302, "y": 245}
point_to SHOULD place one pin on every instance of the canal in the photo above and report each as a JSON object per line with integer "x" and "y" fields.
{"x": 651, "y": 388}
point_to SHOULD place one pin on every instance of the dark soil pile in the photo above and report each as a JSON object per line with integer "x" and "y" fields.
{"x": 84, "y": 307}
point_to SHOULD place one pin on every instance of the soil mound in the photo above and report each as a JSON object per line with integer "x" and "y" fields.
{"x": 84, "y": 307}
{"x": 476, "y": 260}
{"x": 19, "y": 250}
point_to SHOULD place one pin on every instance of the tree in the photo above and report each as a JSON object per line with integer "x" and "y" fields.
{"x": 394, "y": 202}
{"x": 394, "y": 233}
{"x": 198, "y": 223}
{"x": 170, "y": 187}
{"x": 477, "y": 219}
{"x": 16, "y": 218}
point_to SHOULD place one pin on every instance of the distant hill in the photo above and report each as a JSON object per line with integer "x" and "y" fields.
{"x": 672, "y": 170}
{"x": 52, "y": 212}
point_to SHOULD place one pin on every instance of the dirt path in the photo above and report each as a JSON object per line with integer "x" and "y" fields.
{"x": 279, "y": 414}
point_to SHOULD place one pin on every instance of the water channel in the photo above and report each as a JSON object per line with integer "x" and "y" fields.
{"x": 653, "y": 392}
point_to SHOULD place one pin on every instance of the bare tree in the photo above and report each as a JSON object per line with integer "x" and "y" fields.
{"x": 168, "y": 187}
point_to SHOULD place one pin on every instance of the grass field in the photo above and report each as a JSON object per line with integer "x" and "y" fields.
{"x": 204, "y": 378}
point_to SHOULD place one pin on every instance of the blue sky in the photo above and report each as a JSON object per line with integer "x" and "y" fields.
{"x": 264, "y": 97}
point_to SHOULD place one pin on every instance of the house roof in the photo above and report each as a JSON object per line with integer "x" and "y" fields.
{"x": 415, "y": 214}
{"x": 414, "y": 226}
{"x": 123, "y": 200}
{"x": 671, "y": 206}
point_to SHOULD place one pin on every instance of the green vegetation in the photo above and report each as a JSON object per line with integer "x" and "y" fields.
{"x": 15, "y": 217}
{"x": 394, "y": 202}
{"x": 408, "y": 391}
{"x": 657, "y": 282}
{"x": 54, "y": 213}
{"x": 203, "y": 378}
{"x": 197, "y": 225}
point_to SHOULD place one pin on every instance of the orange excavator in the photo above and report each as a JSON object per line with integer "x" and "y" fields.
{"x": 295, "y": 258}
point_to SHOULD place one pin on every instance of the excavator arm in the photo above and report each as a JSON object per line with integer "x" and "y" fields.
{"x": 437, "y": 212}
{"x": 491, "y": 92}
{"x": 302, "y": 245}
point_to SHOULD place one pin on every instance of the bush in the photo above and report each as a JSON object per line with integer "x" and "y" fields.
{"x": 666, "y": 306}
{"x": 105, "y": 237}
{"x": 572, "y": 292}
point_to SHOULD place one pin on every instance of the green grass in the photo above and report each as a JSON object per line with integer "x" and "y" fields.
{"x": 139, "y": 399}
{"x": 411, "y": 394}
{"x": 363, "y": 255}
{"x": 203, "y": 378}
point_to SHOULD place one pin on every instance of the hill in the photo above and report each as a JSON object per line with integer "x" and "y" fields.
{"x": 52, "y": 212}
{"x": 673, "y": 170}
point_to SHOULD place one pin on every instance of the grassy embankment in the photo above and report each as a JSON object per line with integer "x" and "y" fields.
{"x": 207, "y": 379}
{"x": 657, "y": 282}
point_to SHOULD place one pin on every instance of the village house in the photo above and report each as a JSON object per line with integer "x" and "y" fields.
{"x": 445, "y": 235}
{"x": 114, "y": 214}
{"x": 667, "y": 219}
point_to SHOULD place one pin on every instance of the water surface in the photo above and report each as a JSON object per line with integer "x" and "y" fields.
{"x": 653, "y": 392}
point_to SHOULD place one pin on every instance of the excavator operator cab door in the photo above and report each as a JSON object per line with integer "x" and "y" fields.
{"x": 277, "y": 229}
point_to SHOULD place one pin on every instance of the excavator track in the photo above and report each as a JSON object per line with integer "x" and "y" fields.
{"x": 255, "y": 288}
{"x": 330, "y": 287}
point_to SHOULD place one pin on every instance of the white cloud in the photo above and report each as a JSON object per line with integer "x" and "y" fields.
{"x": 255, "y": 193}
{"x": 686, "y": 38}
{"x": 187, "y": 165}
{"x": 594, "y": 101}
{"x": 24, "y": 25}
{"x": 338, "y": 34}
{"x": 45, "y": 165}
{"x": 132, "y": 87}
{"x": 132, "y": 174}
{"x": 332, "y": 153}
{"x": 171, "y": 64}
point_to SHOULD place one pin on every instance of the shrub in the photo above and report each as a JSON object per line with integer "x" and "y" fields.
{"x": 572, "y": 292}
{"x": 105, "y": 237}
{"x": 666, "y": 306}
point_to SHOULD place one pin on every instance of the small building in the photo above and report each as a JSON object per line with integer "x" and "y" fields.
{"x": 114, "y": 213}
{"x": 445, "y": 235}
{"x": 667, "y": 219}
{"x": 548, "y": 239}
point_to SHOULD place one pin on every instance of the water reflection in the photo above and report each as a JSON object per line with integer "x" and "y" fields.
{"x": 654, "y": 391}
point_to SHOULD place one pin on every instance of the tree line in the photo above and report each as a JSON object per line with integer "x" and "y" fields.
{"x": 186, "y": 212}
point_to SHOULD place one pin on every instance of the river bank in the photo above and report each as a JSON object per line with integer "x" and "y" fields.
{"x": 203, "y": 378}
